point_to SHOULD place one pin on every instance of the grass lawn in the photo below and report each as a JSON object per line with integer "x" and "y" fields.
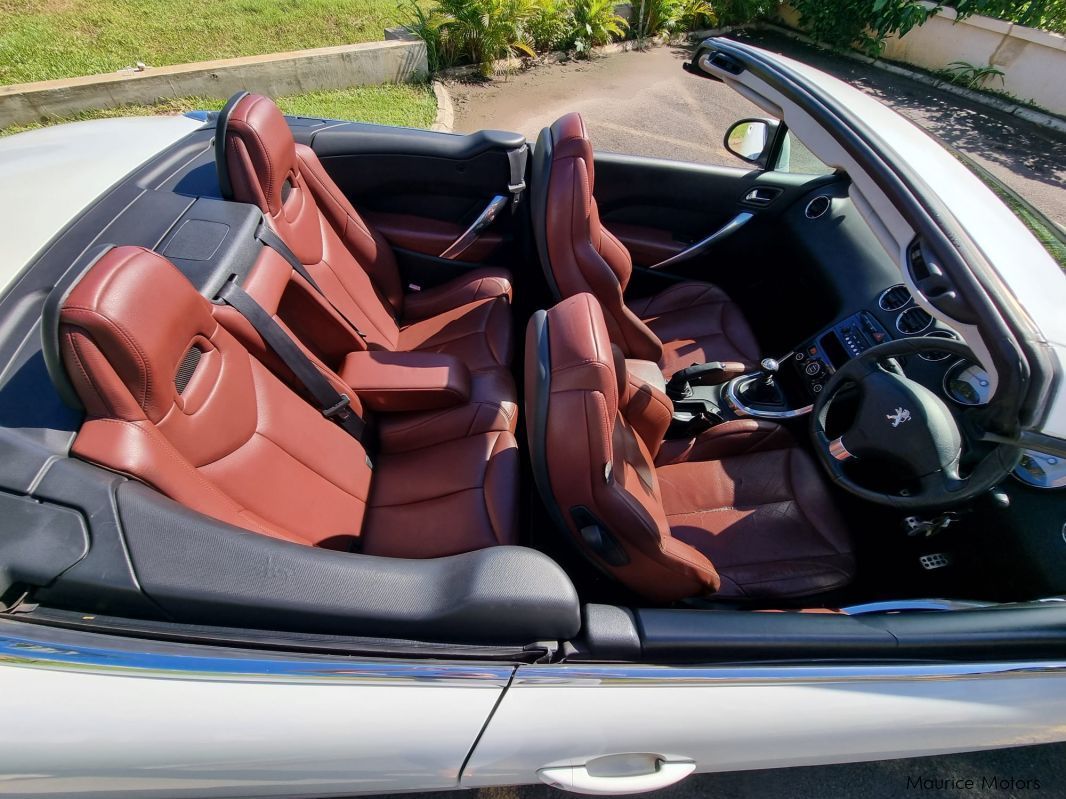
{"x": 411, "y": 105}
{"x": 47, "y": 39}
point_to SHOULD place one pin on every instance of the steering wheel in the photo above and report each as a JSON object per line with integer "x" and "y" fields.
{"x": 902, "y": 422}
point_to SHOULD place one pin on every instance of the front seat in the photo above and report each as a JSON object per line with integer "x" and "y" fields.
{"x": 690, "y": 322}
{"x": 739, "y": 511}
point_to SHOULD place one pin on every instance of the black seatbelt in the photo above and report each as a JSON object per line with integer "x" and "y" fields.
{"x": 272, "y": 240}
{"x": 333, "y": 405}
{"x": 516, "y": 160}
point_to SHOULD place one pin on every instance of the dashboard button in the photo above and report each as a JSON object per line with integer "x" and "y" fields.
{"x": 816, "y": 388}
{"x": 813, "y": 368}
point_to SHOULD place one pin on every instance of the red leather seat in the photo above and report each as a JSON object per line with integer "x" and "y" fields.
{"x": 740, "y": 511}
{"x": 175, "y": 400}
{"x": 356, "y": 268}
{"x": 688, "y": 323}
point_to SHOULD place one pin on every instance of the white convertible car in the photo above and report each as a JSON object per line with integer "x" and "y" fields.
{"x": 342, "y": 459}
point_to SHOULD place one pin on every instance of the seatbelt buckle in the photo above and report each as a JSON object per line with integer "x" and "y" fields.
{"x": 338, "y": 411}
{"x": 516, "y": 188}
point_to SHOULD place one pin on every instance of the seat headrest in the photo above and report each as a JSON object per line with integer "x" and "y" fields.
{"x": 259, "y": 153}
{"x": 580, "y": 350}
{"x": 131, "y": 333}
{"x": 570, "y": 139}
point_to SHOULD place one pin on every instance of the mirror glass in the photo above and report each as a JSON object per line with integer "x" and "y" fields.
{"x": 748, "y": 139}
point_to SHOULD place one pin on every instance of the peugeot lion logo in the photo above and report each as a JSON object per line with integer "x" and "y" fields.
{"x": 900, "y": 416}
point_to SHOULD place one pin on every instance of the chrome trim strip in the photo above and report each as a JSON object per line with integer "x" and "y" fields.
{"x": 839, "y": 451}
{"x": 741, "y": 409}
{"x": 906, "y": 311}
{"x": 901, "y": 605}
{"x": 730, "y": 227}
{"x": 484, "y": 219}
{"x": 579, "y": 676}
{"x": 820, "y": 198}
{"x": 200, "y": 663}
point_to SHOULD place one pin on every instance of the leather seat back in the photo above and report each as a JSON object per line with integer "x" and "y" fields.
{"x": 577, "y": 252}
{"x": 593, "y": 438}
{"x": 263, "y": 165}
{"x": 173, "y": 399}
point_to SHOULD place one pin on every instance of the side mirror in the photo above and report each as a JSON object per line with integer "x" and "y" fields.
{"x": 752, "y": 140}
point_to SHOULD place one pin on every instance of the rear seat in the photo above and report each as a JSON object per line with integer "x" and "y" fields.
{"x": 260, "y": 163}
{"x": 490, "y": 404}
{"x": 175, "y": 400}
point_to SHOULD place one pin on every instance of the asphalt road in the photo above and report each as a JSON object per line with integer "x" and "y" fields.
{"x": 643, "y": 103}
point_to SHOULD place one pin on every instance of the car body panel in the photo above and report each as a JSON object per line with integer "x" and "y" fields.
{"x": 736, "y": 718}
{"x": 54, "y": 173}
{"x": 181, "y": 721}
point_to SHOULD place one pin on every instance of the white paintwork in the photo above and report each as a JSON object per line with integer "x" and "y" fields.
{"x": 564, "y": 716}
{"x": 102, "y": 735}
{"x": 1022, "y": 266}
{"x": 50, "y": 175}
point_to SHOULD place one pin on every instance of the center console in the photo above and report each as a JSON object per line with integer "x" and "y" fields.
{"x": 814, "y": 362}
{"x": 776, "y": 391}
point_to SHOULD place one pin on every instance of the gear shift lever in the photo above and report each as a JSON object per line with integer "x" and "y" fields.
{"x": 765, "y": 390}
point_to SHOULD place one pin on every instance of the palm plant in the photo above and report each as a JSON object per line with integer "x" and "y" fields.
{"x": 595, "y": 22}
{"x": 484, "y": 30}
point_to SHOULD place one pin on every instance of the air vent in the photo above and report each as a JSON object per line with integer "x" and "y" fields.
{"x": 894, "y": 298}
{"x": 913, "y": 321}
{"x": 817, "y": 207}
{"x": 937, "y": 355}
{"x": 186, "y": 369}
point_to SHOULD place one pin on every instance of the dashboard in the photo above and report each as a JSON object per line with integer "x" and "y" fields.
{"x": 962, "y": 383}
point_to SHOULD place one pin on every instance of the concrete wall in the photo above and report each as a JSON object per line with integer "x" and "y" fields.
{"x": 275, "y": 75}
{"x": 1033, "y": 61}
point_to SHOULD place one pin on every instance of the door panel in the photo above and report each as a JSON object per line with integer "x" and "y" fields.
{"x": 105, "y": 717}
{"x": 654, "y": 205}
{"x": 747, "y": 718}
{"x": 423, "y": 189}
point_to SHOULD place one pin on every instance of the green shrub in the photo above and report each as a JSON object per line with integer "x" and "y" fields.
{"x": 864, "y": 24}
{"x": 595, "y": 23}
{"x": 654, "y": 16}
{"x": 696, "y": 15}
{"x": 1045, "y": 14}
{"x": 551, "y": 25}
{"x": 740, "y": 12}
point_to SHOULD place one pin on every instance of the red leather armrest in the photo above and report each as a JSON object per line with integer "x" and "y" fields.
{"x": 406, "y": 381}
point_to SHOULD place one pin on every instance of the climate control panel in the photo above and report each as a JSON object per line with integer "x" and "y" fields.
{"x": 816, "y": 360}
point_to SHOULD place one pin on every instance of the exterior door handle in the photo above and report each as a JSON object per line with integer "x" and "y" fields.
{"x": 578, "y": 779}
{"x": 484, "y": 219}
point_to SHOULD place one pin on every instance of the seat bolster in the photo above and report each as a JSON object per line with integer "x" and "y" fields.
{"x": 479, "y": 334}
{"x": 697, "y": 322}
{"x": 139, "y": 449}
{"x": 483, "y": 283}
{"x": 470, "y": 502}
{"x": 367, "y": 246}
{"x": 736, "y": 437}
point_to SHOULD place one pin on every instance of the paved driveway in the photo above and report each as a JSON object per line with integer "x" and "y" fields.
{"x": 644, "y": 104}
